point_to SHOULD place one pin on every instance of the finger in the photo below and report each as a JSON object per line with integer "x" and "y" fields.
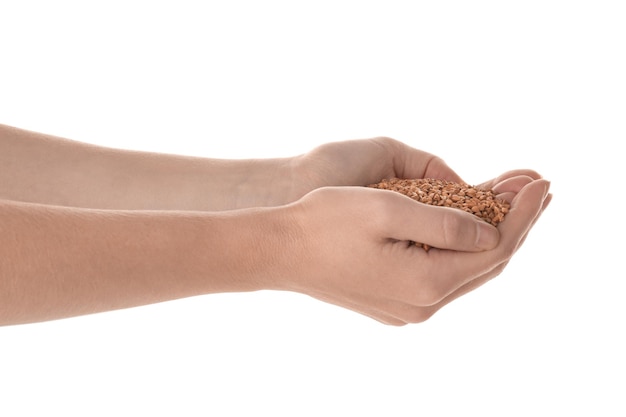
{"x": 478, "y": 282}
{"x": 512, "y": 184}
{"x": 437, "y": 168}
{"x": 510, "y": 174}
{"x": 508, "y": 187}
{"x": 410, "y": 313}
{"x": 498, "y": 269}
{"x": 440, "y": 227}
{"x": 451, "y": 270}
{"x": 546, "y": 203}
{"x": 384, "y": 310}
{"x": 506, "y": 196}
{"x": 413, "y": 163}
{"x": 527, "y": 205}
{"x": 429, "y": 311}
{"x": 415, "y": 314}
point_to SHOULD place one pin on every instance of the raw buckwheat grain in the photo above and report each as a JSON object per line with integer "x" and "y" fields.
{"x": 480, "y": 202}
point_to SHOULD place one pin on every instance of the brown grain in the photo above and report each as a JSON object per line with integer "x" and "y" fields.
{"x": 480, "y": 202}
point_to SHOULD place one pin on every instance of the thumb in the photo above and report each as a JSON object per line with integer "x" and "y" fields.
{"x": 438, "y": 227}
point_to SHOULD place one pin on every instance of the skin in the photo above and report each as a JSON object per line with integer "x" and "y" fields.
{"x": 87, "y": 229}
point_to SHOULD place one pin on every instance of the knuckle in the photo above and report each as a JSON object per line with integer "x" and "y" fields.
{"x": 454, "y": 227}
{"x": 386, "y": 207}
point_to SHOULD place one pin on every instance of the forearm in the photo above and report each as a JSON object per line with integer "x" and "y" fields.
{"x": 60, "y": 262}
{"x": 49, "y": 170}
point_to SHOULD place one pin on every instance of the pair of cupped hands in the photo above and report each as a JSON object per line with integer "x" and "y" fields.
{"x": 356, "y": 248}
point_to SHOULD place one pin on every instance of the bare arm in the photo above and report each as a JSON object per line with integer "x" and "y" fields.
{"x": 344, "y": 245}
{"x": 41, "y": 168}
{"x": 59, "y": 262}
{"x": 85, "y": 229}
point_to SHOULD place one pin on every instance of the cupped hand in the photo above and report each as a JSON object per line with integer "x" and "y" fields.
{"x": 365, "y": 161}
{"x": 355, "y": 247}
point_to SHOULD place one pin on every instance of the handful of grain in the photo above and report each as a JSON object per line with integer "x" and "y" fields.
{"x": 480, "y": 202}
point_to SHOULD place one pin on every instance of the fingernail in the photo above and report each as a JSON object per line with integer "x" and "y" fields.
{"x": 488, "y": 236}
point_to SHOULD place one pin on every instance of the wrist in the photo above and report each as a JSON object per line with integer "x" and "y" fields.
{"x": 251, "y": 249}
{"x": 263, "y": 183}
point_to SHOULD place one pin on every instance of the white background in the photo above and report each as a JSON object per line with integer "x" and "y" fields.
{"x": 487, "y": 85}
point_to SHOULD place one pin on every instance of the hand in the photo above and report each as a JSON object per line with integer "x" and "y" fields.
{"x": 354, "y": 247}
{"x": 363, "y": 162}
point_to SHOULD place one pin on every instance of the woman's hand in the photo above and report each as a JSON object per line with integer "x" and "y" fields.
{"x": 354, "y": 246}
{"x": 363, "y": 162}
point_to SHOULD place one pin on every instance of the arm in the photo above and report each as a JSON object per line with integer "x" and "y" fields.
{"x": 343, "y": 245}
{"x": 40, "y": 168}
{"x": 60, "y": 262}
{"x": 164, "y": 234}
